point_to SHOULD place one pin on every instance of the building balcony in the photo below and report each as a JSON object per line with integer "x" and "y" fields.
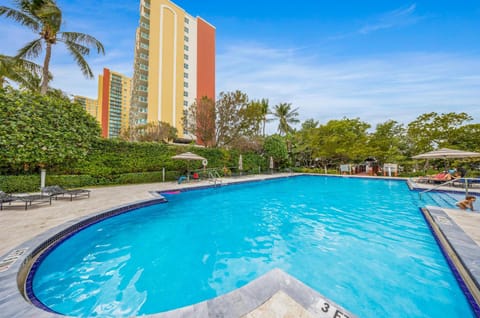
{"x": 145, "y": 3}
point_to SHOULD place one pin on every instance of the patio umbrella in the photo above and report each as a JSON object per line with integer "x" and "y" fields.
{"x": 271, "y": 163}
{"x": 188, "y": 156}
{"x": 240, "y": 164}
{"x": 445, "y": 153}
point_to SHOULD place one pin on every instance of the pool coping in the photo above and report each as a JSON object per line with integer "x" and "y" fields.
{"x": 14, "y": 304}
{"x": 460, "y": 251}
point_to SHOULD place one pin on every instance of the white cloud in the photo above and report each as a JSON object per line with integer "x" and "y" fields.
{"x": 375, "y": 89}
{"x": 395, "y": 18}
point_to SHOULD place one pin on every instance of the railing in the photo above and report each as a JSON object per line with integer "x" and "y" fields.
{"x": 446, "y": 183}
{"x": 214, "y": 176}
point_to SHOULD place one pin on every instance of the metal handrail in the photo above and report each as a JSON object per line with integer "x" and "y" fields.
{"x": 214, "y": 175}
{"x": 446, "y": 183}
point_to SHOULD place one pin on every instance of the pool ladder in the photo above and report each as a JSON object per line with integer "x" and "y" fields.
{"x": 214, "y": 177}
{"x": 444, "y": 184}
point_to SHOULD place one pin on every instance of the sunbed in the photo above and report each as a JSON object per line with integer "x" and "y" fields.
{"x": 28, "y": 199}
{"x": 56, "y": 191}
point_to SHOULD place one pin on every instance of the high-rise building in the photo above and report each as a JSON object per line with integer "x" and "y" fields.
{"x": 90, "y": 105}
{"x": 174, "y": 63}
{"x": 114, "y": 97}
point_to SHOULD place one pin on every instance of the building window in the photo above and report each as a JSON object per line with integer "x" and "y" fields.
{"x": 185, "y": 75}
{"x": 144, "y": 35}
{"x": 144, "y": 77}
{"x": 185, "y": 47}
{"x": 186, "y": 30}
{"x": 185, "y": 84}
{"x": 145, "y": 25}
{"x": 143, "y": 67}
{"x": 144, "y": 46}
{"x": 185, "y": 56}
{"x": 185, "y": 103}
{"x": 186, "y": 20}
{"x": 185, "y": 38}
{"x": 144, "y": 56}
{"x": 185, "y": 94}
{"x": 185, "y": 65}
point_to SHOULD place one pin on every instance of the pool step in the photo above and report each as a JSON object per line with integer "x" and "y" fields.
{"x": 444, "y": 199}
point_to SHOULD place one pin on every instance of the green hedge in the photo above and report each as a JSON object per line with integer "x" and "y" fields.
{"x": 31, "y": 183}
{"x": 112, "y": 162}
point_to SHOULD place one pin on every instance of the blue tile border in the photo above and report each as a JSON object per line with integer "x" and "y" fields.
{"x": 17, "y": 303}
{"x": 48, "y": 246}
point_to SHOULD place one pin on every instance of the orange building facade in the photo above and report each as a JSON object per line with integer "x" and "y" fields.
{"x": 114, "y": 96}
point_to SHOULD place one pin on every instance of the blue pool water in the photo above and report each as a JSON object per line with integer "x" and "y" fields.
{"x": 362, "y": 243}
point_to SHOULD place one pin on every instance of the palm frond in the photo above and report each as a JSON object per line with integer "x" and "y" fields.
{"x": 26, "y": 73}
{"x": 78, "y": 47}
{"x": 50, "y": 15}
{"x": 32, "y": 49}
{"x": 81, "y": 62}
{"x": 20, "y": 17}
{"x": 82, "y": 39}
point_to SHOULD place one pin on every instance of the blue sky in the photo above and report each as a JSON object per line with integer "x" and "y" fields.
{"x": 376, "y": 60}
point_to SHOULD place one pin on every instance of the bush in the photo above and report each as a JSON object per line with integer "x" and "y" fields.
{"x": 15, "y": 184}
{"x": 42, "y": 131}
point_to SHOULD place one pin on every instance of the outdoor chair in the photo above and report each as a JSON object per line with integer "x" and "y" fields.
{"x": 27, "y": 199}
{"x": 5, "y": 198}
{"x": 56, "y": 191}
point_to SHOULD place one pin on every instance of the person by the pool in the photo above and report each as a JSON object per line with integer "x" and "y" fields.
{"x": 467, "y": 203}
{"x": 182, "y": 177}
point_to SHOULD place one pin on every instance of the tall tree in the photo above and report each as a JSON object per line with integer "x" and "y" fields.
{"x": 230, "y": 112}
{"x": 304, "y": 143}
{"x": 432, "y": 130}
{"x": 199, "y": 120}
{"x": 286, "y": 116}
{"x": 342, "y": 141}
{"x": 44, "y": 18}
{"x": 264, "y": 110}
{"x": 388, "y": 142}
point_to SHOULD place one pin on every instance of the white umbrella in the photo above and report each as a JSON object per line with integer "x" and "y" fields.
{"x": 189, "y": 156}
{"x": 271, "y": 163}
{"x": 240, "y": 164}
{"x": 445, "y": 153}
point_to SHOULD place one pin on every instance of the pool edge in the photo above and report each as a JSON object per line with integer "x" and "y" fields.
{"x": 460, "y": 251}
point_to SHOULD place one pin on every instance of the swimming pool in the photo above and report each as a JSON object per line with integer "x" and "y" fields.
{"x": 362, "y": 243}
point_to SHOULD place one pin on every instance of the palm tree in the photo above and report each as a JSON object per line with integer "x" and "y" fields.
{"x": 264, "y": 109}
{"x": 44, "y": 17}
{"x": 20, "y": 71}
{"x": 286, "y": 116}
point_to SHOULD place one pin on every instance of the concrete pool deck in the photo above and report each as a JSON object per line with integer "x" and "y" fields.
{"x": 19, "y": 225}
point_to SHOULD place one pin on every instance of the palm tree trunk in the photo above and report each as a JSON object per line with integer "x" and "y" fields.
{"x": 46, "y": 63}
